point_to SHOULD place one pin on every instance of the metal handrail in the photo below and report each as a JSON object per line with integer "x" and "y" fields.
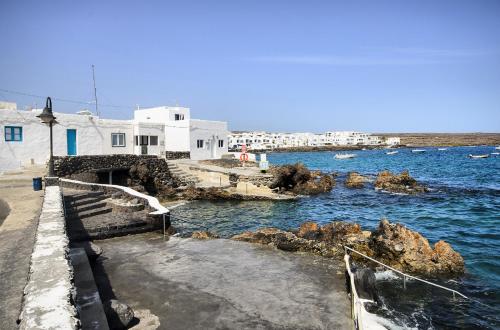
{"x": 406, "y": 275}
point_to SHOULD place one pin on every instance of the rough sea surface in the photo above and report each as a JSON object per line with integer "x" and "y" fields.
{"x": 463, "y": 208}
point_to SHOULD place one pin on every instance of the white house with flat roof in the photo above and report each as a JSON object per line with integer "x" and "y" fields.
{"x": 154, "y": 131}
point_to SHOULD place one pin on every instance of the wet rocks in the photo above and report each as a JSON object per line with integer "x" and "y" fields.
{"x": 300, "y": 180}
{"x": 355, "y": 180}
{"x": 119, "y": 314}
{"x": 392, "y": 244}
{"x": 398, "y": 183}
{"x": 407, "y": 250}
{"x": 203, "y": 235}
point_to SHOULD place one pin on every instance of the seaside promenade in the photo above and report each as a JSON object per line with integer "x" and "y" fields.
{"x": 21, "y": 205}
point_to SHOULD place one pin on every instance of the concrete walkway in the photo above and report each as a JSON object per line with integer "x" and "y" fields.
{"x": 17, "y": 234}
{"x": 221, "y": 284}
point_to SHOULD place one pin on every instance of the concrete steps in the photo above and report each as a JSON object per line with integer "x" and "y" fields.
{"x": 181, "y": 175}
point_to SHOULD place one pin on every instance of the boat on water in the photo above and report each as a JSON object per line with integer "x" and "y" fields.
{"x": 479, "y": 156}
{"x": 344, "y": 156}
{"x": 497, "y": 148}
{"x": 391, "y": 152}
{"x": 442, "y": 149}
{"x": 495, "y": 153}
{"x": 418, "y": 150}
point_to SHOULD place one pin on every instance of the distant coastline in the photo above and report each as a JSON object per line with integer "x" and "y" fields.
{"x": 407, "y": 140}
{"x": 446, "y": 139}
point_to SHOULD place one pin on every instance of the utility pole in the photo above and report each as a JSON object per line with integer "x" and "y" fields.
{"x": 95, "y": 91}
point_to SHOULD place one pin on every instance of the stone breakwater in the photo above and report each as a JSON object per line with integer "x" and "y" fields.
{"x": 392, "y": 244}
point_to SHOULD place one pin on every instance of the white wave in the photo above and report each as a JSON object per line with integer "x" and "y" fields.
{"x": 386, "y": 275}
{"x": 374, "y": 322}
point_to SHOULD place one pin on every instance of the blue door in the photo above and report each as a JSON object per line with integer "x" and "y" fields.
{"x": 71, "y": 140}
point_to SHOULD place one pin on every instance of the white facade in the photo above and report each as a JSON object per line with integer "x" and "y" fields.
{"x": 264, "y": 140}
{"x": 155, "y": 131}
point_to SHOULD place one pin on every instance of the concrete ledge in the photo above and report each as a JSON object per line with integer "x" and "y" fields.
{"x": 48, "y": 294}
{"x": 87, "y": 300}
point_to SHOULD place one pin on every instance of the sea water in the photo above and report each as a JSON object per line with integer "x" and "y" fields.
{"x": 462, "y": 208}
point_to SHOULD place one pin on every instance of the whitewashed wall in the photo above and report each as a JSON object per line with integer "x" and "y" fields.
{"x": 210, "y": 132}
{"x": 150, "y": 129}
{"x": 93, "y": 137}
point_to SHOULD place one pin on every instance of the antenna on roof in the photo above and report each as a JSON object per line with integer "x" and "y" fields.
{"x": 95, "y": 91}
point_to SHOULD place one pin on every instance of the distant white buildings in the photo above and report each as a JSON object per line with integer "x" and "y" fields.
{"x": 155, "y": 131}
{"x": 265, "y": 140}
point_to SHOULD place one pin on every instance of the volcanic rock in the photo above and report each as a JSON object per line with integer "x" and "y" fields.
{"x": 203, "y": 235}
{"x": 300, "y": 180}
{"x": 406, "y": 250}
{"x": 119, "y": 315}
{"x": 355, "y": 180}
{"x": 402, "y": 183}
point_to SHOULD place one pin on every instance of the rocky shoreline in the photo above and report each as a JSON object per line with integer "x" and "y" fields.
{"x": 391, "y": 243}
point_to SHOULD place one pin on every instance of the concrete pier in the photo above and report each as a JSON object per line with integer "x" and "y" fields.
{"x": 222, "y": 284}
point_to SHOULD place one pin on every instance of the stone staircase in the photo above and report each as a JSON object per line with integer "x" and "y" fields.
{"x": 89, "y": 216}
{"x": 184, "y": 177}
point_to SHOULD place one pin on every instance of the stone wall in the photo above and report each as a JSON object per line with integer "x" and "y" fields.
{"x": 143, "y": 172}
{"x": 177, "y": 155}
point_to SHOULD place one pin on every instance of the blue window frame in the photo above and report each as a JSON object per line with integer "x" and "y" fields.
{"x": 13, "y": 133}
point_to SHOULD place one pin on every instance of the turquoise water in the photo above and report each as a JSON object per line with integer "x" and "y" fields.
{"x": 462, "y": 208}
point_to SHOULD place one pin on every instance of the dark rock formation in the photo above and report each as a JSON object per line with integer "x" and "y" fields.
{"x": 142, "y": 172}
{"x": 300, "y": 180}
{"x": 392, "y": 244}
{"x": 402, "y": 183}
{"x": 119, "y": 315}
{"x": 355, "y": 180}
{"x": 407, "y": 250}
{"x": 203, "y": 235}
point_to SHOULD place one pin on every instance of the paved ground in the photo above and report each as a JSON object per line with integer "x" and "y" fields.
{"x": 17, "y": 234}
{"x": 221, "y": 284}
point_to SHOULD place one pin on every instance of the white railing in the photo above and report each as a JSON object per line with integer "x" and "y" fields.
{"x": 405, "y": 276}
{"x": 356, "y": 304}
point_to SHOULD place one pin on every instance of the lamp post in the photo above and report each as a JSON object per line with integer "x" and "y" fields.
{"x": 47, "y": 117}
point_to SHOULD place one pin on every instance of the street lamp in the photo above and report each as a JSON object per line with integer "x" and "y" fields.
{"x": 47, "y": 117}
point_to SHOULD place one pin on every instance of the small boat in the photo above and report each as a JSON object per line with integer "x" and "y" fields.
{"x": 495, "y": 153}
{"x": 442, "y": 149}
{"x": 344, "y": 156}
{"x": 497, "y": 148}
{"x": 418, "y": 150}
{"x": 391, "y": 152}
{"x": 479, "y": 156}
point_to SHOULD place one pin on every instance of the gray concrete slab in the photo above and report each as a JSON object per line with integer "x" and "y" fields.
{"x": 223, "y": 284}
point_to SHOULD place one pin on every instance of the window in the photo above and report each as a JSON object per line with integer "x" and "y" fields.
{"x": 221, "y": 143}
{"x": 199, "y": 144}
{"x": 118, "y": 139}
{"x": 13, "y": 133}
{"x": 136, "y": 140}
{"x": 144, "y": 139}
{"x": 153, "y": 140}
{"x": 179, "y": 116}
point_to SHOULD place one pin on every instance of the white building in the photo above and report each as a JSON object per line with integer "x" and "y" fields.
{"x": 154, "y": 131}
{"x": 264, "y": 140}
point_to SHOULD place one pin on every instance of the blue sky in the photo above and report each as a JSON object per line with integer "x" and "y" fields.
{"x": 377, "y": 66}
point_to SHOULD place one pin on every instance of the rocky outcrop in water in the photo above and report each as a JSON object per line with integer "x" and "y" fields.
{"x": 392, "y": 244}
{"x": 398, "y": 183}
{"x": 300, "y": 180}
{"x": 407, "y": 250}
{"x": 355, "y": 180}
{"x": 203, "y": 235}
